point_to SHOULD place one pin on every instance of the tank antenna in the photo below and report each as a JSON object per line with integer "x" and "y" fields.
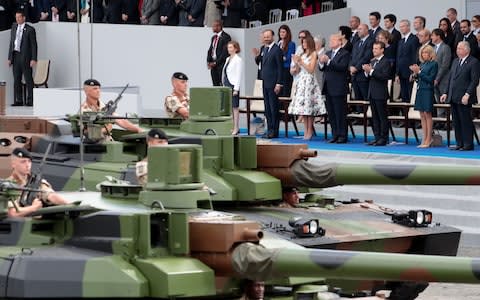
{"x": 82, "y": 169}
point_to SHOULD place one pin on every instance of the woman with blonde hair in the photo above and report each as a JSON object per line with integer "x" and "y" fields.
{"x": 231, "y": 77}
{"x": 307, "y": 100}
{"x": 425, "y": 75}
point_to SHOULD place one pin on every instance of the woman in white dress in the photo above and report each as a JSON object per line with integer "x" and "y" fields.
{"x": 307, "y": 100}
{"x": 231, "y": 77}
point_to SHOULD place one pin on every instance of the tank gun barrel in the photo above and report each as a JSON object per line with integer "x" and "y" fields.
{"x": 257, "y": 263}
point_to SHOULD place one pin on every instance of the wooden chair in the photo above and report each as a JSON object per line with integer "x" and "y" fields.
{"x": 476, "y": 120}
{"x": 407, "y": 113}
{"x": 42, "y": 72}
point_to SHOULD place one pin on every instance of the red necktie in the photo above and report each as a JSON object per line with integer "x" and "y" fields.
{"x": 214, "y": 45}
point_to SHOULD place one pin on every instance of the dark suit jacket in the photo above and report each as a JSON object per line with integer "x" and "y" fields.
{"x": 335, "y": 74}
{"x": 197, "y": 10}
{"x": 28, "y": 47}
{"x": 406, "y": 55}
{"x": 61, "y": 5}
{"x": 378, "y": 85}
{"x": 396, "y": 37}
{"x": 168, "y": 9}
{"x": 272, "y": 65}
{"x": 444, "y": 59}
{"x": 472, "y": 40}
{"x": 374, "y": 34}
{"x": 130, "y": 8}
{"x": 221, "y": 51}
{"x": 361, "y": 55}
{"x": 354, "y": 38}
{"x": 463, "y": 80}
{"x": 97, "y": 11}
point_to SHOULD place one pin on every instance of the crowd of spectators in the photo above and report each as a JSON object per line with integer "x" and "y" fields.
{"x": 155, "y": 12}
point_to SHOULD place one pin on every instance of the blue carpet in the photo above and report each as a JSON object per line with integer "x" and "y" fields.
{"x": 399, "y": 147}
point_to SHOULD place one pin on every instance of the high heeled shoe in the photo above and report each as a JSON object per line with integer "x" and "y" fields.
{"x": 235, "y": 132}
{"x": 426, "y": 145}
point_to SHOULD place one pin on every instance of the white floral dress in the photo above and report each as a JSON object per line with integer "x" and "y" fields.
{"x": 307, "y": 99}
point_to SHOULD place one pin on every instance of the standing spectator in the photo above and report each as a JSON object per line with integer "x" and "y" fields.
{"x": 168, "y": 13}
{"x": 231, "y": 77}
{"x": 443, "y": 59}
{"x": 468, "y": 36}
{"x": 150, "y": 12}
{"x": 346, "y": 33}
{"x": 389, "y": 52}
{"x": 454, "y": 23}
{"x": 419, "y": 23}
{"x": 425, "y": 75}
{"x": 271, "y": 75}
{"x": 59, "y": 10}
{"x": 406, "y": 56}
{"x": 72, "y": 10}
{"x": 444, "y": 25}
{"x": 43, "y": 10}
{"x": 389, "y": 22}
{"x": 361, "y": 54}
{"x": 217, "y": 52}
{"x": 213, "y": 12}
{"x": 258, "y": 55}
{"x": 461, "y": 94}
{"x": 288, "y": 49}
{"x": 374, "y": 19}
{"x": 423, "y": 39}
{"x": 113, "y": 11}
{"x": 232, "y": 13}
{"x": 28, "y": 10}
{"x": 96, "y": 11}
{"x": 6, "y": 14}
{"x": 129, "y": 12}
{"x": 307, "y": 99}
{"x": 476, "y": 27}
{"x": 22, "y": 54}
{"x": 191, "y": 12}
{"x": 354, "y": 23}
{"x": 379, "y": 72}
{"x": 334, "y": 64}
{"x": 320, "y": 49}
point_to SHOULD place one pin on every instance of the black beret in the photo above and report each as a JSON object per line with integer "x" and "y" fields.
{"x": 155, "y": 133}
{"x": 22, "y": 153}
{"x": 180, "y": 75}
{"x": 289, "y": 189}
{"x": 92, "y": 82}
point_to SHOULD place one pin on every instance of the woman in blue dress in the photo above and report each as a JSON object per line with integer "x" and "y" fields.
{"x": 425, "y": 75}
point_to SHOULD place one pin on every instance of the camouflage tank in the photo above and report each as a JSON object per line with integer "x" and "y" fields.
{"x": 129, "y": 241}
{"x": 247, "y": 180}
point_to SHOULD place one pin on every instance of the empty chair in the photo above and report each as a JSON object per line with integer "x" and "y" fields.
{"x": 292, "y": 14}
{"x": 327, "y": 6}
{"x": 275, "y": 15}
{"x": 41, "y": 73}
{"x": 255, "y": 23}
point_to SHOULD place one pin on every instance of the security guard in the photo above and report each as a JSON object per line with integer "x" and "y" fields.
{"x": 155, "y": 137}
{"x": 177, "y": 105}
{"x": 92, "y": 103}
{"x": 21, "y": 162}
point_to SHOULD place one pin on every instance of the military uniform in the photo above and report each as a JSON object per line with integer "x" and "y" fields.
{"x": 86, "y": 108}
{"x": 173, "y": 103}
{"x": 141, "y": 167}
{"x": 45, "y": 187}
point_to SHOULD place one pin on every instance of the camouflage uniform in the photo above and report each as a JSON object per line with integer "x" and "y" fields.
{"x": 85, "y": 107}
{"x": 173, "y": 103}
{"x": 45, "y": 187}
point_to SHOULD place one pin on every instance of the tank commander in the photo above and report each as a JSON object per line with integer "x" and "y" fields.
{"x": 21, "y": 162}
{"x": 92, "y": 103}
{"x": 290, "y": 197}
{"x": 253, "y": 290}
{"x": 155, "y": 137}
{"x": 177, "y": 105}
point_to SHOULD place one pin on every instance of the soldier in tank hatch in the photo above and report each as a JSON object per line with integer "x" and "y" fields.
{"x": 155, "y": 137}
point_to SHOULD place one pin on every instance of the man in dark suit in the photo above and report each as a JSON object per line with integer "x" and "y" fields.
{"x": 361, "y": 54}
{"x": 406, "y": 56}
{"x": 168, "y": 13}
{"x": 374, "y": 19}
{"x": 354, "y": 23}
{"x": 452, "y": 17}
{"x": 334, "y": 65}
{"x": 217, "y": 52}
{"x": 22, "y": 54}
{"x": 443, "y": 59}
{"x": 461, "y": 93}
{"x": 389, "y": 22}
{"x": 191, "y": 12}
{"x": 468, "y": 36}
{"x": 378, "y": 71}
{"x": 271, "y": 75}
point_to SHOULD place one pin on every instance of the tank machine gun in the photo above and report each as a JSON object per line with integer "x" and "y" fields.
{"x": 144, "y": 243}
